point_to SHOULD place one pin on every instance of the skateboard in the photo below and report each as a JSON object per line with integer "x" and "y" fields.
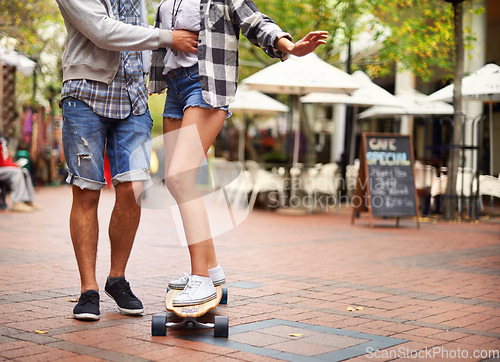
{"x": 220, "y": 326}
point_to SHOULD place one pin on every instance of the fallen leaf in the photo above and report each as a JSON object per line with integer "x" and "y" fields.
{"x": 359, "y": 308}
{"x": 73, "y": 300}
{"x": 41, "y": 332}
{"x": 350, "y": 309}
{"x": 295, "y": 334}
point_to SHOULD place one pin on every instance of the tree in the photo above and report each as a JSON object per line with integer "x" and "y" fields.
{"x": 37, "y": 27}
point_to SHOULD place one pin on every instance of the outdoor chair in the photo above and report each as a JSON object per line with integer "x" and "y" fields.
{"x": 321, "y": 179}
{"x": 489, "y": 186}
{"x": 230, "y": 175}
{"x": 438, "y": 188}
{"x": 351, "y": 176}
{"x": 264, "y": 181}
{"x": 425, "y": 177}
{"x": 327, "y": 179}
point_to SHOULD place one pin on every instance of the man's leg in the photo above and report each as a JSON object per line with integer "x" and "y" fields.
{"x": 129, "y": 151}
{"x": 123, "y": 226}
{"x": 84, "y": 229}
{"x": 84, "y": 137}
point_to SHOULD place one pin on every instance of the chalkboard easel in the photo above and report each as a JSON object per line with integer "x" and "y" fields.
{"x": 385, "y": 186}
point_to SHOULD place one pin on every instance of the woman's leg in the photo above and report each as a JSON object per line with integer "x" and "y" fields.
{"x": 185, "y": 148}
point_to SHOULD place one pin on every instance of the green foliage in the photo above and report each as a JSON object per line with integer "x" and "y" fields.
{"x": 156, "y": 104}
{"x": 418, "y": 34}
{"x": 26, "y": 20}
{"x": 421, "y": 36}
{"x": 38, "y": 30}
{"x": 297, "y": 17}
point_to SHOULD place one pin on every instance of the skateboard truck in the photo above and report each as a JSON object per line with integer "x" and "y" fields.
{"x": 161, "y": 324}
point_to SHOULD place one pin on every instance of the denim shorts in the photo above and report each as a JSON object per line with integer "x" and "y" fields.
{"x": 184, "y": 91}
{"x": 85, "y": 137}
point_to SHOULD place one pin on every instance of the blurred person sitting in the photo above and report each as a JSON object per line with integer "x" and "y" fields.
{"x": 18, "y": 180}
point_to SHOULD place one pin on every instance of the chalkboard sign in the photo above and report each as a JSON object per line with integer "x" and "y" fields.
{"x": 386, "y": 183}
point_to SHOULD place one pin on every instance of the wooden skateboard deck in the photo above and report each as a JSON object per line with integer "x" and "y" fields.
{"x": 192, "y": 311}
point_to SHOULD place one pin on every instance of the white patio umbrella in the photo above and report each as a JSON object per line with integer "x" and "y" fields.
{"x": 411, "y": 103}
{"x": 254, "y": 102}
{"x": 299, "y": 76}
{"x": 482, "y": 85}
{"x": 368, "y": 94}
{"x": 251, "y": 102}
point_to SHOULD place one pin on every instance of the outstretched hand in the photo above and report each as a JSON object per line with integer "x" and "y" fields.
{"x": 185, "y": 41}
{"x": 309, "y": 43}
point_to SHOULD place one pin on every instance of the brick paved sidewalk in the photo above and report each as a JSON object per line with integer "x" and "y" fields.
{"x": 301, "y": 288}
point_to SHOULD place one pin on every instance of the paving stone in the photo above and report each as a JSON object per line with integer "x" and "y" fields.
{"x": 257, "y": 338}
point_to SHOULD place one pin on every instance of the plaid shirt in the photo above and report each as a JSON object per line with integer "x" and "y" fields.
{"x": 221, "y": 23}
{"x": 127, "y": 93}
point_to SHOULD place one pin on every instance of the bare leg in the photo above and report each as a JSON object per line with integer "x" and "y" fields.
{"x": 84, "y": 229}
{"x": 182, "y": 166}
{"x": 123, "y": 226}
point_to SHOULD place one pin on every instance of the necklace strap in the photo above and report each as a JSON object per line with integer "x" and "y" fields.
{"x": 175, "y": 12}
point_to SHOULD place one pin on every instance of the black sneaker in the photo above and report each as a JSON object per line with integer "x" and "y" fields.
{"x": 87, "y": 308}
{"x": 121, "y": 293}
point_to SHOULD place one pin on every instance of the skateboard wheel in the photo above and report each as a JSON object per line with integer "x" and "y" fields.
{"x": 223, "y": 300}
{"x": 159, "y": 325}
{"x": 221, "y": 326}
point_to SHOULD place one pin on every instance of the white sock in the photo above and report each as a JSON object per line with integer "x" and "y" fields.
{"x": 216, "y": 273}
{"x": 214, "y": 270}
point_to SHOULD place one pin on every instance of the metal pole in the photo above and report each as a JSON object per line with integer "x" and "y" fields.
{"x": 491, "y": 143}
{"x": 296, "y": 144}
{"x": 353, "y": 135}
{"x": 479, "y": 137}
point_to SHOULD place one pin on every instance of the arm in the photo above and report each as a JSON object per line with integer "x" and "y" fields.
{"x": 258, "y": 28}
{"x": 92, "y": 20}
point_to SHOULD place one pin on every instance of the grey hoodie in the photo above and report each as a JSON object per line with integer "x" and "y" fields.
{"x": 95, "y": 39}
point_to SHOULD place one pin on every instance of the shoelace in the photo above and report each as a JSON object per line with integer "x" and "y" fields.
{"x": 125, "y": 288}
{"x": 192, "y": 286}
{"x": 84, "y": 298}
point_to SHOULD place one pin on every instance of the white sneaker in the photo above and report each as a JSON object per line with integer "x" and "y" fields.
{"x": 218, "y": 278}
{"x": 180, "y": 283}
{"x": 197, "y": 291}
